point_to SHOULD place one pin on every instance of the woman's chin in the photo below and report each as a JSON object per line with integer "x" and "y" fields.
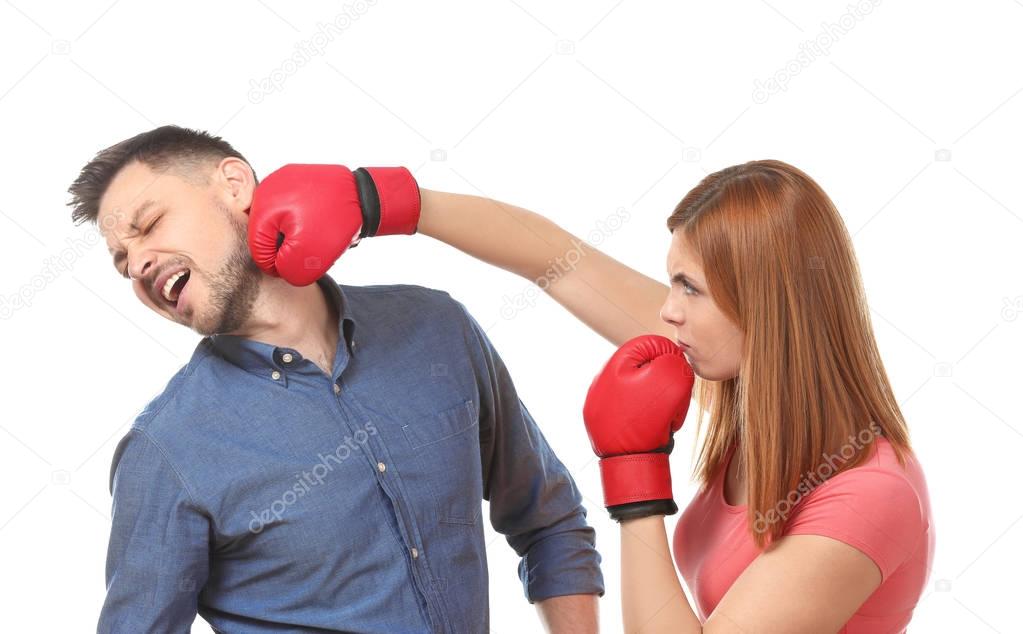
{"x": 710, "y": 374}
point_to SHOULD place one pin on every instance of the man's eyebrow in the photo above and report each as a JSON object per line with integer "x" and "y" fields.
{"x": 135, "y": 219}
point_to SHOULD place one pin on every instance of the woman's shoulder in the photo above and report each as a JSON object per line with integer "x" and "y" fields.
{"x": 880, "y": 472}
{"x": 882, "y": 465}
{"x": 878, "y": 506}
{"x": 878, "y": 487}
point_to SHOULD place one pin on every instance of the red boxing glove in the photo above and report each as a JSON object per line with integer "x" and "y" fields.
{"x": 304, "y": 217}
{"x": 634, "y": 406}
{"x": 390, "y": 201}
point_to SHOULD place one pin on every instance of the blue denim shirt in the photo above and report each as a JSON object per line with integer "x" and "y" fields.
{"x": 269, "y": 497}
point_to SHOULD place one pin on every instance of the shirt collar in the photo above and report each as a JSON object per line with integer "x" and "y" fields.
{"x": 273, "y": 362}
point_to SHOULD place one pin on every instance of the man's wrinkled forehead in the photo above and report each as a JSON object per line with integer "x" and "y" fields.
{"x": 133, "y": 192}
{"x": 123, "y": 222}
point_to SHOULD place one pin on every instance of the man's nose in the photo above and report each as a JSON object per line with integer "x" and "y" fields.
{"x": 140, "y": 266}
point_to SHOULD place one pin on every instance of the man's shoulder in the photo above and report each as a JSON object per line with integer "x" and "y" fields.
{"x": 397, "y": 291}
{"x": 165, "y": 413}
{"x": 166, "y": 406}
{"x": 379, "y": 300}
{"x": 403, "y": 309}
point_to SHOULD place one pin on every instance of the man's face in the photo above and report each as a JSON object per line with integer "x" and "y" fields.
{"x": 180, "y": 225}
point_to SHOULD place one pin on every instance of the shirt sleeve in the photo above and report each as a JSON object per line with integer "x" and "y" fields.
{"x": 533, "y": 499}
{"x": 876, "y": 512}
{"x": 158, "y": 553}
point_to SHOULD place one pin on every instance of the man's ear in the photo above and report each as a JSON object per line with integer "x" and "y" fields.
{"x": 239, "y": 183}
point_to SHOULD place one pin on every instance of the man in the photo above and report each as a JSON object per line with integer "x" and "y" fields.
{"x": 319, "y": 463}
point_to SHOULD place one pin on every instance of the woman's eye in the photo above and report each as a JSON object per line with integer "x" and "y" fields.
{"x": 687, "y": 288}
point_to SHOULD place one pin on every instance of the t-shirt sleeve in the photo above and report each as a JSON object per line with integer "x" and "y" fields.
{"x": 876, "y": 512}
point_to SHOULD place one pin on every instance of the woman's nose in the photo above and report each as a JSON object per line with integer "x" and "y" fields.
{"x": 670, "y": 312}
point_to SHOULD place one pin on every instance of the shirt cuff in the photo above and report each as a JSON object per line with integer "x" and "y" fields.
{"x": 562, "y": 564}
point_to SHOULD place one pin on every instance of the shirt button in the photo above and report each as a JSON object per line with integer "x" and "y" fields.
{"x": 275, "y": 374}
{"x": 381, "y": 467}
{"x": 287, "y": 357}
{"x": 337, "y": 388}
{"x": 415, "y": 554}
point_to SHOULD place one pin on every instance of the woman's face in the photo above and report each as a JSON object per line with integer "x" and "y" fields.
{"x": 709, "y": 340}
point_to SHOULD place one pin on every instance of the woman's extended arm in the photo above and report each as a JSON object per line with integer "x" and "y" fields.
{"x": 614, "y": 300}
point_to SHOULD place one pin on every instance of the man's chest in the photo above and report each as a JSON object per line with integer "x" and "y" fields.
{"x": 322, "y": 469}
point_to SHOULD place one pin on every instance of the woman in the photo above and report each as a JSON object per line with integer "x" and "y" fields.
{"x": 813, "y": 513}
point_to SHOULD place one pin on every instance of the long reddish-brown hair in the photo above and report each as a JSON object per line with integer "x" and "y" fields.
{"x": 779, "y": 262}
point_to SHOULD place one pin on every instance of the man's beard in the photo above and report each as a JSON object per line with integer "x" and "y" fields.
{"x": 233, "y": 289}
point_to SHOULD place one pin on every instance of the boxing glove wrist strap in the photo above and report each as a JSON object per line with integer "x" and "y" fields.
{"x": 389, "y": 198}
{"x": 635, "y": 478}
{"x": 636, "y": 510}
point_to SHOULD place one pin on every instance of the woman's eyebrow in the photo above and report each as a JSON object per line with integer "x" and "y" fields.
{"x": 680, "y": 277}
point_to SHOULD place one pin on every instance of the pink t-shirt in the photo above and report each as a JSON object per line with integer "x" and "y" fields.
{"x": 876, "y": 507}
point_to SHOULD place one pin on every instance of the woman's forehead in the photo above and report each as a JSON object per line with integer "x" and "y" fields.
{"x": 681, "y": 257}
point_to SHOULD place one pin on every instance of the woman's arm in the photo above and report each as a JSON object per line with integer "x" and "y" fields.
{"x": 804, "y": 583}
{"x": 652, "y": 597}
{"x": 614, "y": 300}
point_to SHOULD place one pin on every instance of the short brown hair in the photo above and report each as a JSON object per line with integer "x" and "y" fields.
{"x": 162, "y": 148}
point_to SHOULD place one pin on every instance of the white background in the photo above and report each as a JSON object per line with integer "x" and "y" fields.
{"x": 910, "y": 121}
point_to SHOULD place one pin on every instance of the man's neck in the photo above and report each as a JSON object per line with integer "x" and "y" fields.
{"x": 297, "y": 317}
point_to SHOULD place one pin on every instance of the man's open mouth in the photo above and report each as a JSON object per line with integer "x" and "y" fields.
{"x": 172, "y": 288}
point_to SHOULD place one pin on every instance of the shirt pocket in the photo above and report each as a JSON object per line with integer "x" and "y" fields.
{"x": 447, "y": 445}
{"x": 441, "y": 426}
